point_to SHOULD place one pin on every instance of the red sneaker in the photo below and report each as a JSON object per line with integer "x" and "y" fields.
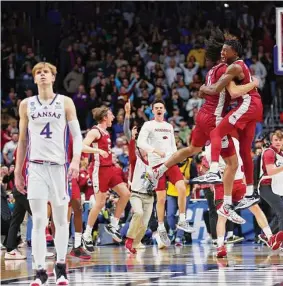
{"x": 129, "y": 246}
{"x": 221, "y": 252}
{"x": 276, "y": 240}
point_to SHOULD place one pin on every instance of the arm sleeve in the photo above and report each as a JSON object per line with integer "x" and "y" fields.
{"x": 77, "y": 137}
{"x": 142, "y": 139}
{"x": 126, "y": 129}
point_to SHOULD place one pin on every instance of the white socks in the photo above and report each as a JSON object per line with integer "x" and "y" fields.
{"x": 88, "y": 230}
{"x": 220, "y": 241}
{"x": 182, "y": 217}
{"x": 161, "y": 225}
{"x": 214, "y": 167}
{"x": 114, "y": 221}
{"x": 229, "y": 234}
{"x": 227, "y": 200}
{"x": 267, "y": 231}
{"x": 250, "y": 190}
{"x": 78, "y": 239}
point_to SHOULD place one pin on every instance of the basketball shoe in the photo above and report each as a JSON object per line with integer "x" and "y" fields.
{"x": 229, "y": 212}
{"x": 40, "y": 278}
{"x": 60, "y": 274}
{"x": 221, "y": 252}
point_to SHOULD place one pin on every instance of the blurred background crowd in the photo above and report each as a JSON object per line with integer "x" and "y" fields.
{"x": 109, "y": 52}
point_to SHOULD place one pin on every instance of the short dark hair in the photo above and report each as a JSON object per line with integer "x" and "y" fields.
{"x": 234, "y": 43}
{"x": 158, "y": 101}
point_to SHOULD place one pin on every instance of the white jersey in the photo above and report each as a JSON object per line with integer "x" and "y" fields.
{"x": 48, "y": 132}
{"x": 239, "y": 174}
{"x": 159, "y": 136}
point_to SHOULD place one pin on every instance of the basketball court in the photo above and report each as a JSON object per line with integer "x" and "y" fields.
{"x": 247, "y": 264}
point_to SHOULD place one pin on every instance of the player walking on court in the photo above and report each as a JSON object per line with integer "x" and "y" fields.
{"x": 243, "y": 117}
{"x": 45, "y": 122}
{"x": 104, "y": 176}
{"x": 210, "y": 114}
{"x": 157, "y": 139}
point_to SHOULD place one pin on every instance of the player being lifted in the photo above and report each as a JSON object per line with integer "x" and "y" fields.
{"x": 208, "y": 117}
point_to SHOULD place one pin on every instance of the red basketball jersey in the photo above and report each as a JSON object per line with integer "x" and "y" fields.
{"x": 215, "y": 104}
{"x": 103, "y": 143}
{"x": 247, "y": 79}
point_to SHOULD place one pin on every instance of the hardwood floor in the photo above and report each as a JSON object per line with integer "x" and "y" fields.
{"x": 246, "y": 264}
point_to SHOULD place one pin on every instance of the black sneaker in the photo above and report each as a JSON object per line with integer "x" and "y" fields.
{"x": 113, "y": 232}
{"x": 60, "y": 274}
{"x": 234, "y": 239}
{"x": 87, "y": 243}
{"x": 208, "y": 178}
{"x": 80, "y": 253}
{"x": 40, "y": 278}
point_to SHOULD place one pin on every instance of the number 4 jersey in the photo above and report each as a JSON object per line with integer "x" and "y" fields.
{"x": 48, "y": 131}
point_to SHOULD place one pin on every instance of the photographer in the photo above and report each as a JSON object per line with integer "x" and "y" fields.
{"x": 141, "y": 197}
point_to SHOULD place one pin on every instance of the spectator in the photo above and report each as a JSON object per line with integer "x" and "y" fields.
{"x": 9, "y": 148}
{"x": 259, "y": 71}
{"x": 73, "y": 79}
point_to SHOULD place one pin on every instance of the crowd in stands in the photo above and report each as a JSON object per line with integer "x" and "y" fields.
{"x": 109, "y": 52}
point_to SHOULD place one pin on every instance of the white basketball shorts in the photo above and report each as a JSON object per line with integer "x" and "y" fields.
{"x": 48, "y": 182}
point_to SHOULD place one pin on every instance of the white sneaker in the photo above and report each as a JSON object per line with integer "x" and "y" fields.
{"x": 2, "y": 246}
{"x": 247, "y": 202}
{"x": 14, "y": 255}
{"x": 140, "y": 246}
{"x": 160, "y": 244}
{"x": 164, "y": 237}
{"x": 229, "y": 212}
{"x": 185, "y": 226}
{"x": 49, "y": 255}
{"x": 208, "y": 178}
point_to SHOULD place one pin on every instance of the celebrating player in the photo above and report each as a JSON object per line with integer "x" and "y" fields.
{"x": 104, "y": 176}
{"x": 157, "y": 139}
{"x": 210, "y": 114}
{"x": 243, "y": 117}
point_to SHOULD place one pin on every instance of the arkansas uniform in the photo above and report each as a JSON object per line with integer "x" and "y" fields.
{"x": 211, "y": 114}
{"x": 160, "y": 136}
{"x": 104, "y": 174}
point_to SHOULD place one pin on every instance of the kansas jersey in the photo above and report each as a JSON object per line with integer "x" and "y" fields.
{"x": 48, "y": 132}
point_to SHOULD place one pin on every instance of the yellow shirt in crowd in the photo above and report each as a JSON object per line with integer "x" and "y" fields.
{"x": 185, "y": 169}
{"x": 199, "y": 55}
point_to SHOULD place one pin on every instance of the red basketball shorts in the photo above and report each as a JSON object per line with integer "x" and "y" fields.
{"x": 239, "y": 191}
{"x": 173, "y": 174}
{"x": 105, "y": 178}
{"x": 205, "y": 123}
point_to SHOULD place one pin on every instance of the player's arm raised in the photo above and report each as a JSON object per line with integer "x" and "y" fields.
{"x": 240, "y": 90}
{"x": 22, "y": 147}
{"x": 71, "y": 116}
{"x": 91, "y": 136}
{"x": 232, "y": 71}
